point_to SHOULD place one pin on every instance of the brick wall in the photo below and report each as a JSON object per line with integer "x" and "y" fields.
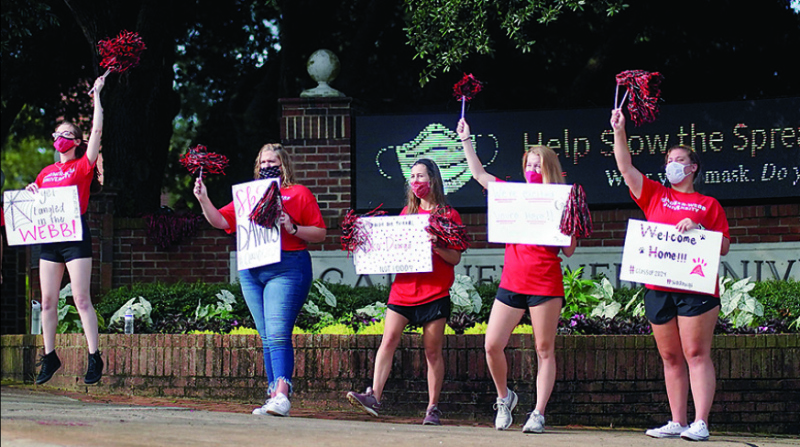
{"x": 601, "y": 380}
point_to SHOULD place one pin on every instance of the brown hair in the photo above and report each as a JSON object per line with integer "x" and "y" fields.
{"x": 80, "y": 151}
{"x": 287, "y": 168}
{"x": 694, "y": 157}
{"x": 437, "y": 187}
{"x": 551, "y": 167}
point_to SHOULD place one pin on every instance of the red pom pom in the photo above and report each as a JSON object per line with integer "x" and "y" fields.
{"x": 643, "y": 94}
{"x": 122, "y": 52}
{"x": 576, "y": 220}
{"x": 353, "y": 234}
{"x": 448, "y": 233}
{"x": 467, "y": 88}
{"x": 198, "y": 158}
{"x": 268, "y": 209}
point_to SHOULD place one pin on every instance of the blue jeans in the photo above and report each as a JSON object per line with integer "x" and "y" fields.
{"x": 275, "y": 294}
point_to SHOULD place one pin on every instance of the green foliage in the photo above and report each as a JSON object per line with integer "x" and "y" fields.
{"x": 445, "y": 34}
{"x": 337, "y": 329}
{"x": 781, "y": 299}
{"x": 487, "y": 291}
{"x": 140, "y": 311}
{"x": 464, "y": 297}
{"x": 69, "y": 319}
{"x": 244, "y": 331}
{"x": 738, "y": 305}
{"x": 23, "y": 158}
{"x": 222, "y": 309}
{"x": 372, "y": 329}
{"x": 478, "y": 329}
{"x": 578, "y": 293}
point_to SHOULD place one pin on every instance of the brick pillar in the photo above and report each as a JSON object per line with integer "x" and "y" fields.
{"x": 316, "y": 132}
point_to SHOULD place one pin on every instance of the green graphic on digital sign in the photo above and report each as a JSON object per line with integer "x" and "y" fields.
{"x": 441, "y": 145}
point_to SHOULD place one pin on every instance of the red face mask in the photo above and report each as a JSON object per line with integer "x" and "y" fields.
{"x": 421, "y": 189}
{"x": 63, "y": 144}
{"x": 533, "y": 177}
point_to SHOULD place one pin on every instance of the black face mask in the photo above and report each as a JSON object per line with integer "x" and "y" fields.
{"x": 270, "y": 172}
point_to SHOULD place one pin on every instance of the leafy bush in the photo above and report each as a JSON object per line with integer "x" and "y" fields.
{"x": 781, "y": 299}
{"x": 69, "y": 319}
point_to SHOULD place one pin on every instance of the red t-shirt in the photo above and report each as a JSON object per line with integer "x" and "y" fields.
{"x": 79, "y": 172}
{"x": 299, "y": 204}
{"x": 668, "y": 206}
{"x": 532, "y": 269}
{"x": 414, "y": 289}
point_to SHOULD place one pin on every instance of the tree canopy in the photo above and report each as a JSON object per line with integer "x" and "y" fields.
{"x": 214, "y": 70}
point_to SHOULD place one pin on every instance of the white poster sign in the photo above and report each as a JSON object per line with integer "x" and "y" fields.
{"x": 256, "y": 245}
{"x": 658, "y": 254}
{"x": 396, "y": 244}
{"x": 50, "y": 215}
{"x": 522, "y": 213}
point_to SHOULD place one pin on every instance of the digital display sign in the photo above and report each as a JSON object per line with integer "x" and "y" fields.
{"x": 750, "y": 150}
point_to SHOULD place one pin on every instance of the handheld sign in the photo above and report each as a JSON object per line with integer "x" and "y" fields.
{"x": 256, "y": 245}
{"x": 658, "y": 254}
{"x": 50, "y": 215}
{"x": 396, "y": 244}
{"x": 523, "y": 213}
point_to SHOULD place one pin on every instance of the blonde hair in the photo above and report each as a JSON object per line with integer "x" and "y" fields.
{"x": 437, "y": 187}
{"x": 287, "y": 168}
{"x": 551, "y": 167}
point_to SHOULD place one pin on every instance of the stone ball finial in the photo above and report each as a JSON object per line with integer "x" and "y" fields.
{"x": 323, "y": 66}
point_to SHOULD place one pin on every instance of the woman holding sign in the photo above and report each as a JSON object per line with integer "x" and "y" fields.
{"x": 418, "y": 298}
{"x": 532, "y": 281}
{"x": 275, "y": 293}
{"x": 683, "y": 322}
{"x": 75, "y": 167}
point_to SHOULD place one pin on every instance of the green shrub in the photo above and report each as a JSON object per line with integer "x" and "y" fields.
{"x": 781, "y": 299}
{"x": 487, "y": 291}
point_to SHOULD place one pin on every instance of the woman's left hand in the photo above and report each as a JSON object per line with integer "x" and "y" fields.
{"x": 287, "y": 223}
{"x": 98, "y": 85}
{"x": 686, "y": 225}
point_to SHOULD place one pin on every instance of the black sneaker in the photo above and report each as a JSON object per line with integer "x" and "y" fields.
{"x": 95, "y": 370}
{"x": 50, "y": 364}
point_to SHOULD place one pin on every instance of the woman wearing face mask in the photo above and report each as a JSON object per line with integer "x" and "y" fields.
{"x": 683, "y": 322}
{"x": 75, "y": 167}
{"x": 531, "y": 280}
{"x": 275, "y": 293}
{"x": 418, "y": 298}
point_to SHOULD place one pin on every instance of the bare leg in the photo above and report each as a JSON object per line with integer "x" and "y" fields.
{"x": 696, "y": 335}
{"x": 502, "y": 321}
{"x": 80, "y": 276}
{"x": 392, "y": 331}
{"x": 544, "y": 318}
{"x": 676, "y": 377}
{"x": 50, "y": 275}
{"x": 433, "y": 339}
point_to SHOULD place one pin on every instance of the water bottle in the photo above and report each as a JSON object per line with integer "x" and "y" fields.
{"x": 129, "y": 320}
{"x": 36, "y": 317}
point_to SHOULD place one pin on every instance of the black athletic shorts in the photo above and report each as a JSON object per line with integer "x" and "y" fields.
{"x": 522, "y": 301}
{"x": 424, "y": 313}
{"x": 661, "y": 307}
{"x": 63, "y": 252}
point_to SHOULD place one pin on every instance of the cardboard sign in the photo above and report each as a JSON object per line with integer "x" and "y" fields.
{"x": 255, "y": 245}
{"x": 658, "y": 254}
{"x": 396, "y": 244}
{"x": 523, "y": 213}
{"x": 50, "y": 215}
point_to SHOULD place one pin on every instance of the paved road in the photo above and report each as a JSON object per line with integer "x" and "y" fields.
{"x": 42, "y": 419}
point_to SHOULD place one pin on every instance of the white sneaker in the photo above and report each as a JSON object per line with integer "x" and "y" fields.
{"x": 535, "y": 423}
{"x": 671, "y": 430}
{"x": 697, "y": 431}
{"x": 278, "y": 405}
{"x": 504, "y": 408}
{"x": 262, "y": 410}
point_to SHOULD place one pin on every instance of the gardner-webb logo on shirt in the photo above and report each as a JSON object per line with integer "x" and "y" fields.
{"x": 677, "y": 205}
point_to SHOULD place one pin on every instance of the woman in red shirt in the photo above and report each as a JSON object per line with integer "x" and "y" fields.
{"x": 531, "y": 280}
{"x": 75, "y": 167}
{"x": 683, "y": 322}
{"x": 418, "y": 298}
{"x": 275, "y": 293}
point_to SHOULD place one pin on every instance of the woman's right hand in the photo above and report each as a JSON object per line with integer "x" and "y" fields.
{"x": 463, "y": 130}
{"x": 200, "y": 190}
{"x": 33, "y": 188}
{"x": 617, "y": 119}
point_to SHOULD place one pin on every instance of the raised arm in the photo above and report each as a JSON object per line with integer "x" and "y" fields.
{"x": 475, "y": 165}
{"x": 633, "y": 178}
{"x": 212, "y": 214}
{"x": 93, "y": 145}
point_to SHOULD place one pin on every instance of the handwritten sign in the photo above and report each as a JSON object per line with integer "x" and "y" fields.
{"x": 658, "y": 254}
{"x": 50, "y": 215}
{"x": 522, "y": 213}
{"x": 256, "y": 245}
{"x": 397, "y": 244}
